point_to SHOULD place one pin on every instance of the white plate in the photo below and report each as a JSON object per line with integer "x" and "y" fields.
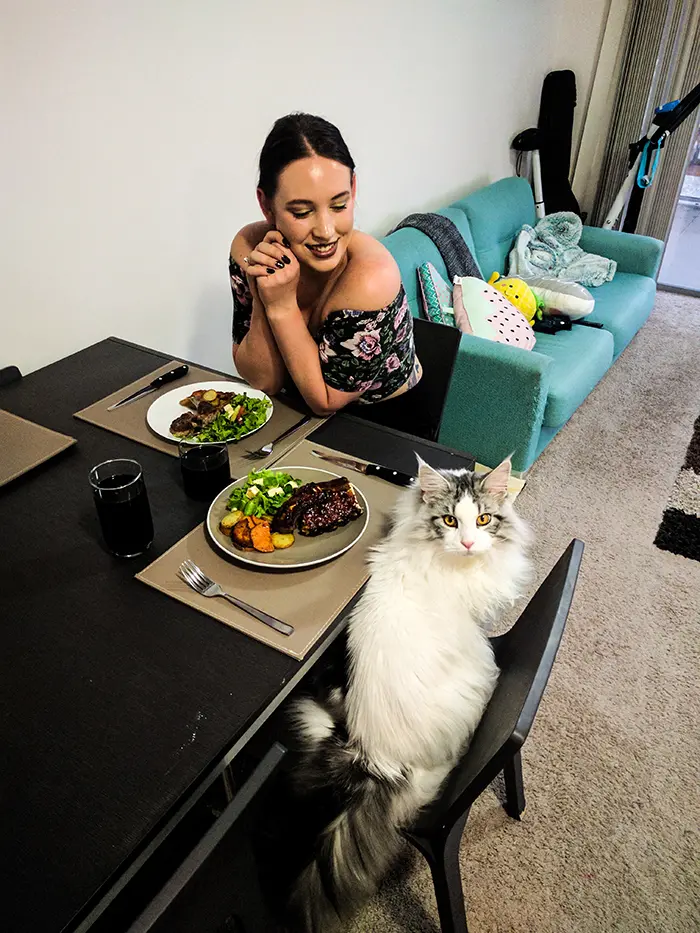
{"x": 167, "y": 408}
{"x": 305, "y": 552}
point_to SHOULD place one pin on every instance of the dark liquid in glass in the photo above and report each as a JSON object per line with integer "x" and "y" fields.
{"x": 125, "y": 515}
{"x": 201, "y": 478}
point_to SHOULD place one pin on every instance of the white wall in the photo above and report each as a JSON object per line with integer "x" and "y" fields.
{"x": 600, "y": 105}
{"x": 131, "y": 130}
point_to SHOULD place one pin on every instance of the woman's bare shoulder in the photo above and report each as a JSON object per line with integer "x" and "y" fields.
{"x": 247, "y": 239}
{"x": 371, "y": 280}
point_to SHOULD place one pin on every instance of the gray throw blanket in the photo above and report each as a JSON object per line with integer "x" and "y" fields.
{"x": 551, "y": 249}
{"x": 449, "y": 241}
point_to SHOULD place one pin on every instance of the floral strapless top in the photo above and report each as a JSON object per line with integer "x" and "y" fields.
{"x": 360, "y": 351}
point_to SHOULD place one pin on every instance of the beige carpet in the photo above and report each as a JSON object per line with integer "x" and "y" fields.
{"x": 610, "y": 838}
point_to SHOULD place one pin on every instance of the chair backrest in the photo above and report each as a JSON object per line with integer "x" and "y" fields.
{"x": 419, "y": 411}
{"x": 216, "y": 887}
{"x": 9, "y": 374}
{"x": 525, "y": 655}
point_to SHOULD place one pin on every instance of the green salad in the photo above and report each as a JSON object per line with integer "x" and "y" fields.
{"x": 263, "y": 493}
{"x": 239, "y": 417}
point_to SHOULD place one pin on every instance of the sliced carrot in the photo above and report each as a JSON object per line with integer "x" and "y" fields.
{"x": 261, "y": 537}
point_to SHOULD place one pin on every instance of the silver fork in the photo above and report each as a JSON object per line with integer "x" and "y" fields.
{"x": 266, "y": 449}
{"x": 203, "y": 584}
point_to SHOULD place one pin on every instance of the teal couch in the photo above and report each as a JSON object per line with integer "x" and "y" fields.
{"x": 504, "y": 399}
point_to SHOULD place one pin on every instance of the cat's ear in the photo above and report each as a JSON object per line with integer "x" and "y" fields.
{"x": 496, "y": 482}
{"x": 432, "y": 483}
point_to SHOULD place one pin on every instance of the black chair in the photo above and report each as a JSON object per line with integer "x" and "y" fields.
{"x": 419, "y": 411}
{"x": 216, "y": 888}
{"x": 525, "y": 655}
{"x": 9, "y": 374}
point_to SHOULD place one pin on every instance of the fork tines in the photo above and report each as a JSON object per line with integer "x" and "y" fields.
{"x": 193, "y": 576}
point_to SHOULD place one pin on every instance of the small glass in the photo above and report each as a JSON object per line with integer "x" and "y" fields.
{"x": 205, "y": 469}
{"x": 122, "y": 506}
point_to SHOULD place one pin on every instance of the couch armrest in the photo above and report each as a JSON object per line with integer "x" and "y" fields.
{"x": 631, "y": 252}
{"x": 496, "y": 402}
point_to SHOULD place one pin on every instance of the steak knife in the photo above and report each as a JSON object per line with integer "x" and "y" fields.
{"x": 369, "y": 469}
{"x": 159, "y": 381}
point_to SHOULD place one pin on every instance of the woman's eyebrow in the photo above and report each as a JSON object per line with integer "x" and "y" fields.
{"x": 304, "y": 201}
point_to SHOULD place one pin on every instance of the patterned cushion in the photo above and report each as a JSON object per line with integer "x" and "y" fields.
{"x": 483, "y": 311}
{"x": 436, "y": 295}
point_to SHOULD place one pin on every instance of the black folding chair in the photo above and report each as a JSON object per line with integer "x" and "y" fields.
{"x": 9, "y": 374}
{"x": 525, "y": 654}
{"x": 419, "y": 411}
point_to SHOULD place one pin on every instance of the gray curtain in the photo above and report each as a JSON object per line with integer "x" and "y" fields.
{"x": 659, "y": 62}
{"x": 660, "y": 200}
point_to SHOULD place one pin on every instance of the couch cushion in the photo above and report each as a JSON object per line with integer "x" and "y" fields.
{"x": 481, "y": 310}
{"x": 580, "y": 358}
{"x": 623, "y": 305}
{"x": 436, "y": 295}
{"x": 495, "y": 216}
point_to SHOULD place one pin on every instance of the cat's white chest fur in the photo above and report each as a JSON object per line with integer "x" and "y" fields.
{"x": 422, "y": 666}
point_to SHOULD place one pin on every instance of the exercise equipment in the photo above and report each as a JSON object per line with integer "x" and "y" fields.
{"x": 644, "y": 159}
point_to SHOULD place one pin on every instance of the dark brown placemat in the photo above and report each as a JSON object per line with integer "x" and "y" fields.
{"x": 130, "y": 420}
{"x": 24, "y": 445}
{"x": 308, "y": 599}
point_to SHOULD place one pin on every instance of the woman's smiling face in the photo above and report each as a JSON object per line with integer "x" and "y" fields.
{"x": 314, "y": 208}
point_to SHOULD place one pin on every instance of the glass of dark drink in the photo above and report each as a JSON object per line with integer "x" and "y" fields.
{"x": 205, "y": 469}
{"x": 122, "y": 506}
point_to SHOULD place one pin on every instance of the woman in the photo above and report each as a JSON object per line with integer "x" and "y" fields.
{"x": 315, "y": 300}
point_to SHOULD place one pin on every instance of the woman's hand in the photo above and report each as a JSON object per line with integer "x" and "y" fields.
{"x": 273, "y": 271}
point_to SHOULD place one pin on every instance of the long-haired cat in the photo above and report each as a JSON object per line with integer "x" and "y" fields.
{"x": 420, "y": 673}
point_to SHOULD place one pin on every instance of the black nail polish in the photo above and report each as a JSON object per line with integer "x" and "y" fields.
{"x": 280, "y": 265}
{"x": 286, "y": 260}
{"x": 285, "y": 241}
{"x": 271, "y": 271}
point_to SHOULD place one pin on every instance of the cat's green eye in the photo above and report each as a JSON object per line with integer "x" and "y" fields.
{"x": 450, "y": 521}
{"x": 483, "y": 519}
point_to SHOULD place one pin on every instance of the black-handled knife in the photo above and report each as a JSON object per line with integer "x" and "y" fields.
{"x": 369, "y": 469}
{"x": 159, "y": 381}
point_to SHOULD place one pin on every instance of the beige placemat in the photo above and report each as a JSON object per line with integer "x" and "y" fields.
{"x": 24, "y": 445}
{"x": 130, "y": 420}
{"x": 308, "y": 599}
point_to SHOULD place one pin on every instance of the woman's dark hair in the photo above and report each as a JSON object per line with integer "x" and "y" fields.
{"x": 297, "y": 136}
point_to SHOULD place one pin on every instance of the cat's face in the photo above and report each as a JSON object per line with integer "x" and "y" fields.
{"x": 464, "y": 510}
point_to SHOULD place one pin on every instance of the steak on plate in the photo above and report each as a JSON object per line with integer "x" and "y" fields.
{"x": 316, "y": 508}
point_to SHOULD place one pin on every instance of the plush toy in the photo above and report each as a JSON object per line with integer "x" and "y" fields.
{"x": 519, "y": 294}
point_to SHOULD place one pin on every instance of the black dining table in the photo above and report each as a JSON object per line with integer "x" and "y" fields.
{"x": 119, "y": 705}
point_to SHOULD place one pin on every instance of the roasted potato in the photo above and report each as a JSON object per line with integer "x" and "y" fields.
{"x": 282, "y": 541}
{"x": 228, "y": 521}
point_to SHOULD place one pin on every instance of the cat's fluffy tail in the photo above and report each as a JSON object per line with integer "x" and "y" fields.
{"x": 356, "y": 848}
